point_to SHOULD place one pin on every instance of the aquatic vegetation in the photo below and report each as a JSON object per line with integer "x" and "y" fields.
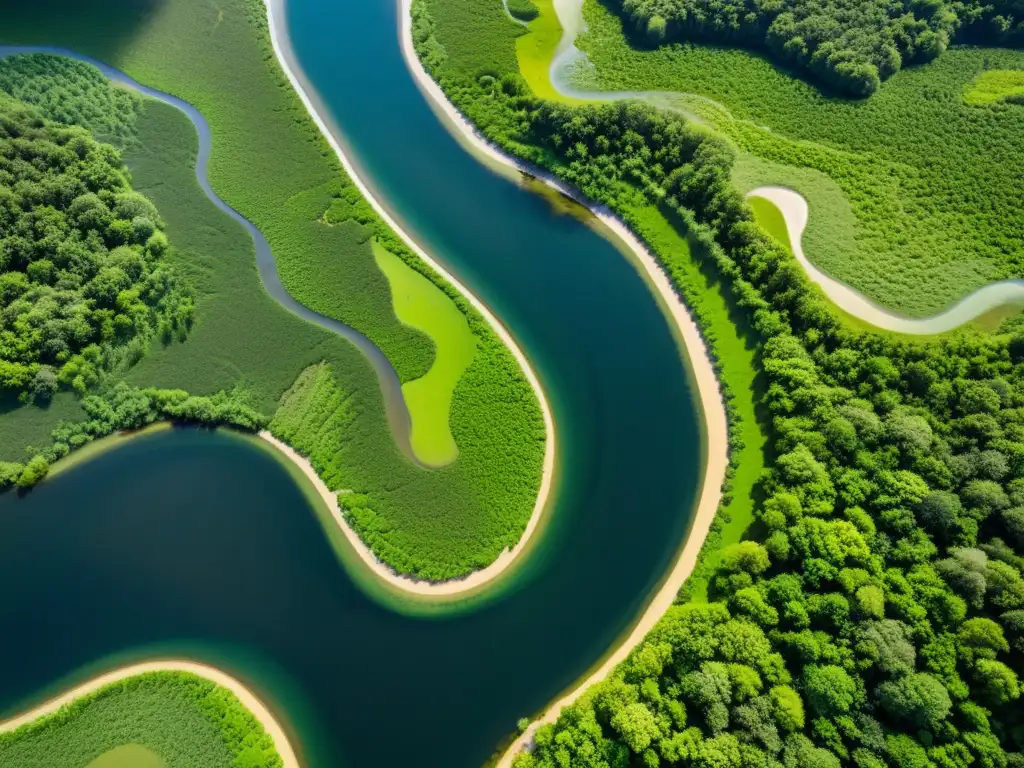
{"x": 994, "y": 86}
{"x": 181, "y": 719}
{"x": 924, "y": 186}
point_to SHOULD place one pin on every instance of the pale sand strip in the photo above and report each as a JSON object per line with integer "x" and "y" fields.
{"x": 709, "y": 395}
{"x": 291, "y": 68}
{"x": 248, "y": 698}
{"x": 796, "y": 213}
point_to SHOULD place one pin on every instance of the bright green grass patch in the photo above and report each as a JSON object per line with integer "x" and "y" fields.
{"x": 770, "y": 219}
{"x": 931, "y": 205}
{"x": 128, "y": 756}
{"x": 422, "y": 305}
{"x": 994, "y": 86}
{"x": 535, "y": 51}
{"x": 170, "y": 719}
{"x": 733, "y": 347}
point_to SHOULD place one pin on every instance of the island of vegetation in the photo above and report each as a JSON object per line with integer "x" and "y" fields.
{"x": 869, "y": 613}
{"x": 151, "y": 715}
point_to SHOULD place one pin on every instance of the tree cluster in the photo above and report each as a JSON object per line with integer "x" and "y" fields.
{"x": 850, "y": 45}
{"x": 83, "y": 281}
{"x": 123, "y": 407}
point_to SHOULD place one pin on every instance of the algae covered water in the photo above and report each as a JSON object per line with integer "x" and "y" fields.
{"x": 199, "y": 544}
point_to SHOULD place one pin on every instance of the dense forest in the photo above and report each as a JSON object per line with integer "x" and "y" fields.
{"x": 876, "y": 618}
{"x": 850, "y": 45}
{"x": 82, "y": 280}
{"x": 874, "y": 614}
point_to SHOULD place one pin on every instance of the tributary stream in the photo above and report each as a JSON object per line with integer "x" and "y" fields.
{"x": 200, "y": 545}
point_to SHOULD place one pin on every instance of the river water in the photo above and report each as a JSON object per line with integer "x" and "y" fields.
{"x": 198, "y": 544}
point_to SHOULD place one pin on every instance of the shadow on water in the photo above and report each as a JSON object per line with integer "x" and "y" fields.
{"x": 112, "y": 24}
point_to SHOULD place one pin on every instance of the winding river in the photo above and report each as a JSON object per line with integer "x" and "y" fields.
{"x": 120, "y": 560}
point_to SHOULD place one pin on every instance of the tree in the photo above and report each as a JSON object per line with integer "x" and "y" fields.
{"x": 33, "y": 472}
{"x": 998, "y": 682}
{"x": 939, "y": 512}
{"x": 981, "y": 638}
{"x": 887, "y": 644}
{"x": 656, "y": 29}
{"x": 746, "y": 557}
{"x": 918, "y": 697}
{"x": 830, "y": 690}
{"x": 789, "y": 708}
{"x": 983, "y": 497}
{"x": 637, "y": 726}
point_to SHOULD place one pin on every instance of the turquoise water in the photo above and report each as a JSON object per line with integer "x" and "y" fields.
{"x": 198, "y": 544}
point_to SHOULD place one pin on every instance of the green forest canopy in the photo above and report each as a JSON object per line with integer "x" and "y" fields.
{"x": 851, "y": 45}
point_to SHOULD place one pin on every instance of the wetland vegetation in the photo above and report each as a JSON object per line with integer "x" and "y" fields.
{"x": 915, "y": 194}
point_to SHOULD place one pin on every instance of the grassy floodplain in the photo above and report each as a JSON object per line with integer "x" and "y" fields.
{"x": 271, "y": 164}
{"x": 922, "y": 187}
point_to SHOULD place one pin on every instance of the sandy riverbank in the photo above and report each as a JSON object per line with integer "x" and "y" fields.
{"x": 249, "y": 699}
{"x": 291, "y": 68}
{"x": 703, "y": 371}
{"x": 382, "y": 570}
{"x": 796, "y": 214}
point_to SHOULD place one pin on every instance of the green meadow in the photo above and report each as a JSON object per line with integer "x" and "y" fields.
{"x": 128, "y": 756}
{"x": 994, "y": 86}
